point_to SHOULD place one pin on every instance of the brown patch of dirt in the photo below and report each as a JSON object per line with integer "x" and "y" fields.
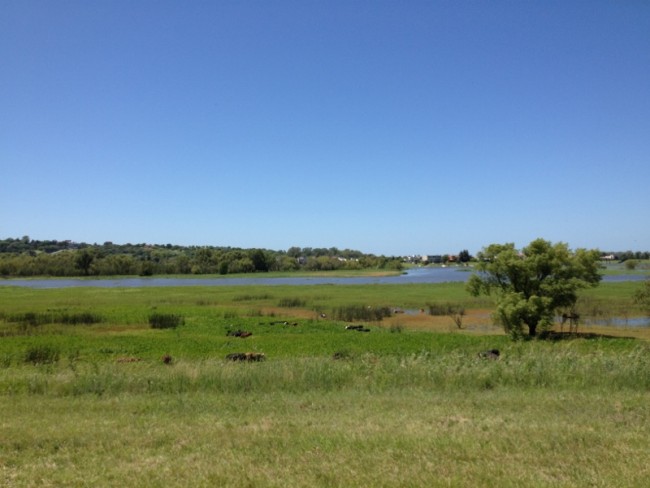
{"x": 476, "y": 321}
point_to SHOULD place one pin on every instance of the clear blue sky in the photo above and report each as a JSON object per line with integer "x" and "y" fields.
{"x": 384, "y": 126}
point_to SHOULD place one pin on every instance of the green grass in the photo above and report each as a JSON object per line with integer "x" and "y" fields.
{"x": 418, "y": 438}
{"x": 93, "y": 404}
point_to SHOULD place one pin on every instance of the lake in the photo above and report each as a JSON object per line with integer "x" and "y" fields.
{"x": 412, "y": 276}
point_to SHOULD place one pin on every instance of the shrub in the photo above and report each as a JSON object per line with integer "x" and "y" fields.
{"x": 85, "y": 318}
{"x": 292, "y": 303}
{"x": 249, "y": 297}
{"x": 446, "y": 308}
{"x": 55, "y": 317}
{"x": 31, "y": 318}
{"x": 353, "y": 313}
{"x": 42, "y": 355}
{"x": 165, "y": 320}
{"x": 631, "y": 264}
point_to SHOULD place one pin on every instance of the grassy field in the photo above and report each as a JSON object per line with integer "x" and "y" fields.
{"x": 87, "y": 400}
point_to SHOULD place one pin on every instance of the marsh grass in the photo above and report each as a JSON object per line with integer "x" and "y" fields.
{"x": 459, "y": 369}
{"x": 165, "y": 320}
{"x": 42, "y": 354}
{"x": 352, "y": 313}
{"x": 292, "y": 302}
{"x": 35, "y": 319}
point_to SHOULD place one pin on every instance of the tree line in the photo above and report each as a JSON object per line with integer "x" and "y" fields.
{"x": 26, "y": 257}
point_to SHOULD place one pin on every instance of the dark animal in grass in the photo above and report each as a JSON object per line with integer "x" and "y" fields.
{"x": 255, "y": 356}
{"x": 341, "y": 355}
{"x": 238, "y": 333}
{"x": 236, "y": 356}
{"x": 358, "y": 328}
{"x": 489, "y": 354}
{"x": 167, "y": 359}
{"x": 246, "y": 356}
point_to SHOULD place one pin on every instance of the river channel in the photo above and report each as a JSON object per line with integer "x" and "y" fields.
{"x": 411, "y": 276}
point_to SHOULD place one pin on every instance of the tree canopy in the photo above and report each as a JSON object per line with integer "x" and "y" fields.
{"x": 25, "y": 257}
{"x": 533, "y": 284}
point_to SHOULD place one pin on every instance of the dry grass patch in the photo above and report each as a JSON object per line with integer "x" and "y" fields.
{"x": 416, "y": 438}
{"x": 476, "y": 321}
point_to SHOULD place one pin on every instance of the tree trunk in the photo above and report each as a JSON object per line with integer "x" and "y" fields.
{"x": 532, "y": 330}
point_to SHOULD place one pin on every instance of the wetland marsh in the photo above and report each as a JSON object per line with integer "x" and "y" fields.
{"x": 87, "y": 398}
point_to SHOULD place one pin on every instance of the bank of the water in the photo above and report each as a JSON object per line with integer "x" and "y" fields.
{"x": 421, "y": 275}
{"x": 415, "y": 275}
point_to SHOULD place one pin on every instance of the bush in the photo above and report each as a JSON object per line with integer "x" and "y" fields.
{"x": 85, "y": 318}
{"x": 34, "y": 319}
{"x": 292, "y": 303}
{"x": 353, "y": 313}
{"x": 42, "y": 355}
{"x": 445, "y": 308}
{"x": 165, "y": 320}
{"x": 248, "y": 297}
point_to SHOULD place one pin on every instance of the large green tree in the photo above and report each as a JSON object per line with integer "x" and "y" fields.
{"x": 532, "y": 285}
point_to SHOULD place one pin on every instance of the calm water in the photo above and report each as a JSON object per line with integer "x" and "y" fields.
{"x": 415, "y": 275}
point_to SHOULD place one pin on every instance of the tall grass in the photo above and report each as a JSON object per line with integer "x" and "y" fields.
{"x": 521, "y": 366}
{"x": 54, "y": 317}
{"x": 165, "y": 320}
{"x": 352, "y": 313}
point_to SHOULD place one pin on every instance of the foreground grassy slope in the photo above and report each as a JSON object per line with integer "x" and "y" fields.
{"x": 498, "y": 437}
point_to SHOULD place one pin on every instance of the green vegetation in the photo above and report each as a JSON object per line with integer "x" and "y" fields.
{"x": 116, "y": 402}
{"x": 165, "y": 320}
{"x": 642, "y": 296}
{"x": 531, "y": 286}
{"x": 25, "y": 257}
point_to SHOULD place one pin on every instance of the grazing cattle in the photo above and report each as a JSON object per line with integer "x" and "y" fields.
{"x": 246, "y": 356}
{"x": 255, "y": 356}
{"x": 490, "y": 354}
